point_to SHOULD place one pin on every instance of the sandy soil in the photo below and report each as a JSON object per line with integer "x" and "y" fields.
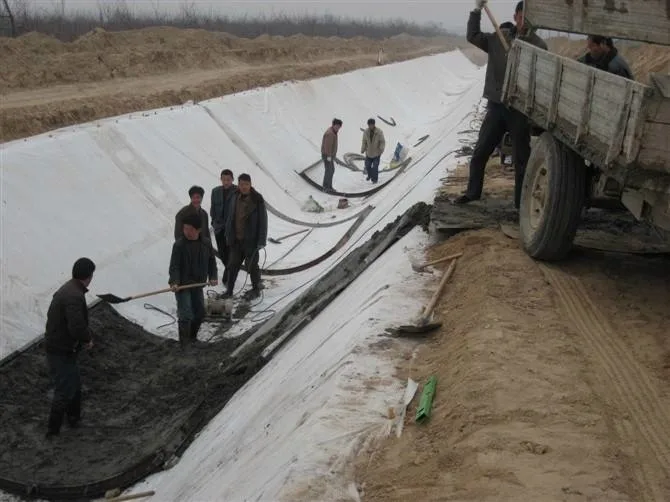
{"x": 552, "y": 380}
{"x": 46, "y": 84}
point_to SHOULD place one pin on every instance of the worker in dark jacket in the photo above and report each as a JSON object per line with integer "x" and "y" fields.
{"x": 193, "y": 261}
{"x": 499, "y": 118}
{"x": 196, "y": 194}
{"x": 603, "y": 55}
{"x": 67, "y": 332}
{"x": 328, "y": 153}
{"x": 220, "y": 199}
{"x": 246, "y": 232}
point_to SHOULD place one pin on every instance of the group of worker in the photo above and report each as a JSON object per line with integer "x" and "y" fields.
{"x": 239, "y": 223}
{"x": 240, "y": 226}
{"x": 500, "y": 119}
{"x": 372, "y": 147}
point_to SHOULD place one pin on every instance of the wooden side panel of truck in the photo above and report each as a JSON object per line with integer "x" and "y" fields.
{"x": 609, "y": 120}
{"x": 644, "y": 20}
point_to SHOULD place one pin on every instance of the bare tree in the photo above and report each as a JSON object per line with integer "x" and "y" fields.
{"x": 8, "y": 14}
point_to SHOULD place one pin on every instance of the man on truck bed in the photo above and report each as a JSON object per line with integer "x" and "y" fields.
{"x": 603, "y": 55}
{"x": 499, "y": 118}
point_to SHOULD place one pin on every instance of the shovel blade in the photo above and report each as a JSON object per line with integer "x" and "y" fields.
{"x": 109, "y": 298}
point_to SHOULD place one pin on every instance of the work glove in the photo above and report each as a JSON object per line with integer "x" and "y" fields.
{"x": 213, "y": 282}
{"x": 479, "y": 4}
{"x": 329, "y": 159}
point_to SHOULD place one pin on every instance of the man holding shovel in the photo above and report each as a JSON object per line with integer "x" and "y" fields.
{"x": 220, "y": 199}
{"x": 499, "y": 118}
{"x": 193, "y": 261}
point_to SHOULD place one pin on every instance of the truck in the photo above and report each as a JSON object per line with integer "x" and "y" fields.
{"x": 601, "y": 136}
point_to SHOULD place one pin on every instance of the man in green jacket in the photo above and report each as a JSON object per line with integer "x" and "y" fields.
{"x": 499, "y": 118}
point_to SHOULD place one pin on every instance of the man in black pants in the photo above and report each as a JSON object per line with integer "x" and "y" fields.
{"x": 246, "y": 233}
{"x": 499, "y": 118}
{"x": 220, "y": 199}
{"x": 67, "y": 332}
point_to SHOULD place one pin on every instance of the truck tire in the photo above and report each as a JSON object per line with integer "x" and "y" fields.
{"x": 552, "y": 198}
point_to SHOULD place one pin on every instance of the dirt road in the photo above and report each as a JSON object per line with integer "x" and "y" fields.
{"x": 552, "y": 381}
{"x": 49, "y": 84}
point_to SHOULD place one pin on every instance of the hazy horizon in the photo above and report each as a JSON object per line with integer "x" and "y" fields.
{"x": 451, "y": 15}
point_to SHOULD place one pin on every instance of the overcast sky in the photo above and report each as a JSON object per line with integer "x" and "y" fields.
{"x": 452, "y": 14}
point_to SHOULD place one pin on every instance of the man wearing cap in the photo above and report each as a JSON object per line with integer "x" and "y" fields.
{"x": 372, "y": 147}
{"x": 499, "y": 118}
{"x": 196, "y": 194}
{"x": 193, "y": 261}
{"x": 328, "y": 153}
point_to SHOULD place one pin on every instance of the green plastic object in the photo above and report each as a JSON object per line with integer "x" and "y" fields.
{"x": 426, "y": 402}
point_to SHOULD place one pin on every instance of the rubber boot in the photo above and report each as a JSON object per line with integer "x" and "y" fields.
{"x": 184, "y": 334}
{"x": 195, "y": 327}
{"x": 74, "y": 411}
{"x": 55, "y": 420}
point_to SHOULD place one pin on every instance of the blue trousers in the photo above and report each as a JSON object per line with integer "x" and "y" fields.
{"x": 190, "y": 305}
{"x": 372, "y": 168}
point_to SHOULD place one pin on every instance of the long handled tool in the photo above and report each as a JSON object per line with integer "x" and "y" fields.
{"x": 278, "y": 241}
{"x": 424, "y": 325}
{"x": 419, "y": 268}
{"x": 115, "y": 299}
{"x": 502, "y": 38}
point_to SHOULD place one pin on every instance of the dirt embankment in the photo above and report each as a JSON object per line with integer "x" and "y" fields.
{"x": 46, "y": 84}
{"x": 642, "y": 58}
{"x": 552, "y": 381}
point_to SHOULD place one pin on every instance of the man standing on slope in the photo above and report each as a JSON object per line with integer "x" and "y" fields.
{"x": 220, "y": 199}
{"x": 373, "y": 146}
{"x": 246, "y": 233}
{"x": 499, "y": 118}
{"x": 67, "y": 332}
{"x": 193, "y": 261}
{"x": 328, "y": 153}
{"x": 196, "y": 194}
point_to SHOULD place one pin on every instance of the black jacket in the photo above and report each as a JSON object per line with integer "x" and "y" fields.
{"x": 256, "y": 227}
{"x": 67, "y": 319}
{"x": 497, "y": 61}
{"x": 192, "y": 262}
{"x": 611, "y": 62}
{"x": 220, "y": 199}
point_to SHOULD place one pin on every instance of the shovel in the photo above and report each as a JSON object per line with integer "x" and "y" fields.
{"x": 424, "y": 325}
{"x": 115, "y": 299}
{"x": 419, "y": 268}
{"x": 278, "y": 241}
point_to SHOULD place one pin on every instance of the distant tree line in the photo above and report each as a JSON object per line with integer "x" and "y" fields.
{"x": 18, "y": 17}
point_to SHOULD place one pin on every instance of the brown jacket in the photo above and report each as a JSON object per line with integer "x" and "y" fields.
{"x": 329, "y": 143}
{"x": 179, "y": 222}
{"x": 67, "y": 319}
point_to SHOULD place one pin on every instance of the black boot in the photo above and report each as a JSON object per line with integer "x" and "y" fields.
{"x": 195, "y": 327}
{"x": 55, "y": 420}
{"x": 224, "y": 279}
{"x": 74, "y": 411}
{"x": 184, "y": 334}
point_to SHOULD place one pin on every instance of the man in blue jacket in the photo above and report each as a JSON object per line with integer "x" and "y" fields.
{"x": 603, "y": 55}
{"x": 499, "y": 118}
{"x": 220, "y": 198}
{"x": 246, "y": 233}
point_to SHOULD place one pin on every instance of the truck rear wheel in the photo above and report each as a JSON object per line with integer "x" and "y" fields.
{"x": 552, "y": 198}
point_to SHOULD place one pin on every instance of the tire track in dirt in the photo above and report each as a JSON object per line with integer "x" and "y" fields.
{"x": 645, "y": 415}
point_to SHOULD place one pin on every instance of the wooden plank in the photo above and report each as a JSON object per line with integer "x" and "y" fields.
{"x": 657, "y": 137}
{"x": 616, "y": 142}
{"x": 661, "y": 85}
{"x": 651, "y": 158}
{"x": 636, "y": 123}
{"x": 530, "y": 96}
{"x": 555, "y": 95}
{"x": 585, "y": 117}
{"x": 644, "y": 20}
